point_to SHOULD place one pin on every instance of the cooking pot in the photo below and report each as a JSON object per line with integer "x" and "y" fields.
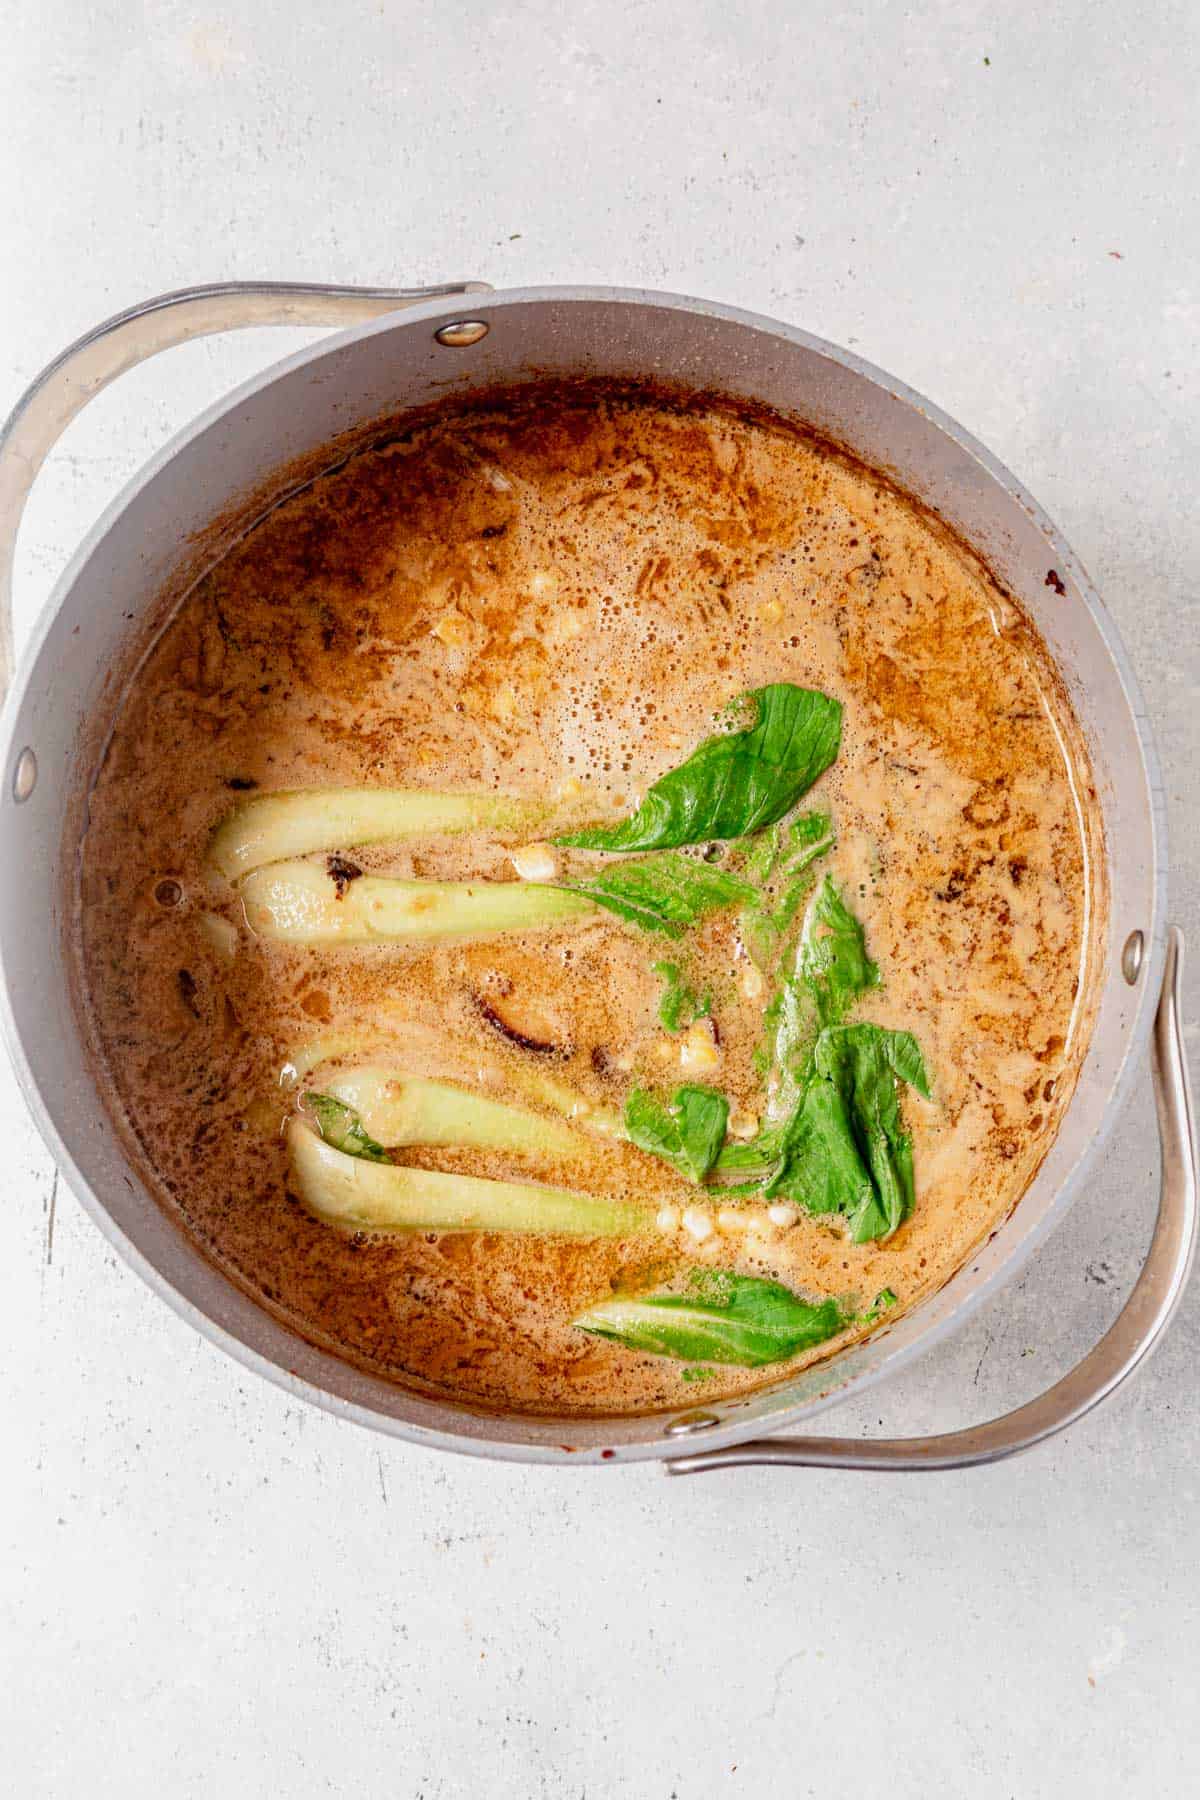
{"x": 406, "y": 348}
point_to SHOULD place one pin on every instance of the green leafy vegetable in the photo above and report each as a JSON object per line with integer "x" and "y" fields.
{"x": 757, "y": 930}
{"x": 341, "y": 1126}
{"x": 766, "y": 923}
{"x": 723, "y": 1318}
{"x": 788, "y": 904}
{"x": 760, "y": 854}
{"x": 664, "y": 893}
{"x": 688, "y": 1133}
{"x": 864, "y": 1063}
{"x": 680, "y": 1005}
{"x": 755, "y": 1159}
{"x": 832, "y": 960}
{"x": 832, "y": 969}
{"x": 884, "y": 1300}
{"x": 808, "y": 836}
{"x": 803, "y": 1140}
{"x": 820, "y": 1166}
{"x": 845, "y": 1148}
{"x": 789, "y": 1033}
{"x": 792, "y": 846}
{"x": 736, "y": 783}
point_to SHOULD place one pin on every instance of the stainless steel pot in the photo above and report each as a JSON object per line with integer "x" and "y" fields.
{"x": 194, "y": 493}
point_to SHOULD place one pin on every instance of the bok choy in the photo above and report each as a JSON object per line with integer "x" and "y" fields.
{"x": 303, "y": 903}
{"x": 358, "y": 1194}
{"x": 722, "y": 1318}
{"x": 736, "y": 783}
{"x": 272, "y": 827}
{"x": 397, "y": 1109}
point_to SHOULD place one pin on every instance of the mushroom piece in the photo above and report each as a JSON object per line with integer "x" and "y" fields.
{"x": 519, "y": 1018}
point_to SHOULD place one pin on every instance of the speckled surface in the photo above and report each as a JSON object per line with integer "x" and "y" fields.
{"x": 204, "y": 1587}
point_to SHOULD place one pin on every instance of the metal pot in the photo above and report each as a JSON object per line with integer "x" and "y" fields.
{"x": 194, "y": 493}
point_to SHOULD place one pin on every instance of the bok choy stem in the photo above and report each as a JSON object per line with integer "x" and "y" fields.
{"x": 358, "y": 1195}
{"x": 301, "y": 903}
{"x": 398, "y": 1109}
{"x": 272, "y": 827}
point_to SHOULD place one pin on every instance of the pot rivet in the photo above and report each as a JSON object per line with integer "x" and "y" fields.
{"x": 24, "y": 776}
{"x": 1131, "y": 956}
{"x": 462, "y": 333}
{"x": 689, "y": 1422}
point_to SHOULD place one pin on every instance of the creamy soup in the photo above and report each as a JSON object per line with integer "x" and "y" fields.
{"x": 548, "y": 603}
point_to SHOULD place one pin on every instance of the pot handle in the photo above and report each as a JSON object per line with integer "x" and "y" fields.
{"x": 1145, "y": 1316}
{"x": 65, "y": 386}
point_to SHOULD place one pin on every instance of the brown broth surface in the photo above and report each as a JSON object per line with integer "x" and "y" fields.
{"x": 556, "y": 599}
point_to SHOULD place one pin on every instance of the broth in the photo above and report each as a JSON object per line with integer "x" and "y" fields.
{"x": 554, "y": 595}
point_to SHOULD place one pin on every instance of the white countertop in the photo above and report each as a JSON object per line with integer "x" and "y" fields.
{"x": 208, "y": 1588}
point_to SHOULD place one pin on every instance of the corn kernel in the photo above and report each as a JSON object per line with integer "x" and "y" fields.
{"x": 782, "y": 1215}
{"x": 698, "y": 1049}
{"x": 667, "y": 1218}
{"x": 534, "y": 862}
{"x": 697, "y": 1223}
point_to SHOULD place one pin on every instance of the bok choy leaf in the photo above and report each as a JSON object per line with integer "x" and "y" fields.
{"x": 342, "y": 1126}
{"x": 688, "y": 1133}
{"x": 664, "y": 893}
{"x": 679, "y": 1004}
{"x": 722, "y": 1318}
{"x": 737, "y": 782}
{"x": 832, "y": 962}
{"x": 845, "y": 1149}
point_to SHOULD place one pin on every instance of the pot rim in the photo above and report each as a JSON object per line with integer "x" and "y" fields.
{"x": 886, "y": 1360}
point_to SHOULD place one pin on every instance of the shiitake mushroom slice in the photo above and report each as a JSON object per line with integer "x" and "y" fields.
{"x": 519, "y": 1018}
